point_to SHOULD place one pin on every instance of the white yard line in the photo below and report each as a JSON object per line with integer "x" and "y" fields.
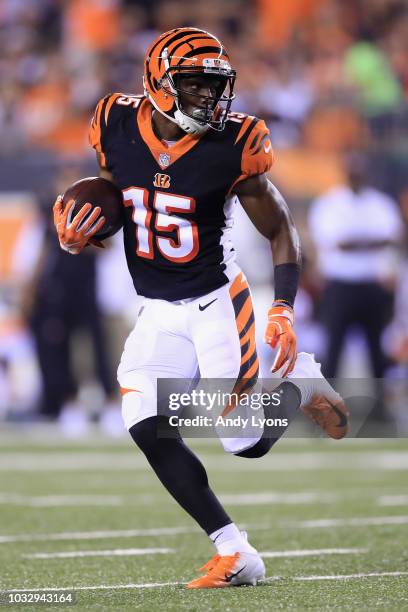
{"x": 350, "y": 522}
{"x": 97, "y": 535}
{"x": 246, "y": 499}
{"x": 131, "y": 552}
{"x": 117, "y": 552}
{"x": 155, "y": 585}
{"x": 275, "y": 461}
{"x": 238, "y": 499}
{"x": 266, "y": 498}
{"x": 52, "y": 501}
{"x": 100, "y": 535}
{"x": 160, "y": 531}
{"x": 68, "y": 461}
{"x": 312, "y": 552}
{"x": 96, "y": 587}
{"x": 393, "y": 500}
{"x": 351, "y": 576}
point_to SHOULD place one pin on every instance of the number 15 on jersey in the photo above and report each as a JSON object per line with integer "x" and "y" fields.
{"x": 150, "y": 227}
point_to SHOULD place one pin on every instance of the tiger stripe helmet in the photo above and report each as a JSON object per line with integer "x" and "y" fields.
{"x": 188, "y": 51}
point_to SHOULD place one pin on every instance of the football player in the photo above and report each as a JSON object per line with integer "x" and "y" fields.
{"x": 182, "y": 159}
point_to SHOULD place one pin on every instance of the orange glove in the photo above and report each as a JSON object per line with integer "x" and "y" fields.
{"x": 75, "y": 234}
{"x": 280, "y": 331}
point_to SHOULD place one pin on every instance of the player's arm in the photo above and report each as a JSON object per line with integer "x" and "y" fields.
{"x": 77, "y": 233}
{"x": 103, "y": 171}
{"x": 270, "y": 214}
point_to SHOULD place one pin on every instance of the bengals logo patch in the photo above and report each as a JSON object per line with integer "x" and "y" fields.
{"x": 161, "y": 180}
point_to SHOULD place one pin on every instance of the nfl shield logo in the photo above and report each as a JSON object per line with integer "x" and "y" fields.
{"x": 164, "y": 160}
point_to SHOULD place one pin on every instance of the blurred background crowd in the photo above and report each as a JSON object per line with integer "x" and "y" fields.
{"x": 330, "y": 77}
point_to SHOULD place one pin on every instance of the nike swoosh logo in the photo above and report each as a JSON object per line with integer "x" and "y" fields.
{"x": 206, "y": 305}
{"x": 124, "y": 390}
{"x": 342, "y": 417}
{"x": 231, "y": 576}
{"x": 268, "y": 148}
{"x": 220, "y": 534}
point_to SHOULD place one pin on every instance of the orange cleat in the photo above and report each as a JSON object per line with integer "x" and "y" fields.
{"x": 331, "y": 416}
{"x": 326, "y": 407}
{"x": 232, "y": 570}
{"x": 210, "y": 564}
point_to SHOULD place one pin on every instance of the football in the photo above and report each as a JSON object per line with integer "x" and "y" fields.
{"x": 98, "y": 192}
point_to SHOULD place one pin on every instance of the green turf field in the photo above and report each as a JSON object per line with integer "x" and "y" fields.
{"x": 99, "y": 495}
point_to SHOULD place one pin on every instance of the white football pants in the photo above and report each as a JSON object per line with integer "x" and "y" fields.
{"x": 215, "y": 333}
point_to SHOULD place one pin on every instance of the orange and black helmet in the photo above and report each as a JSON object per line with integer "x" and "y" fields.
{"x": 188, "y": 52}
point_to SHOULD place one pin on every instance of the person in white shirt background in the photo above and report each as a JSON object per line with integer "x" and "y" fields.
{"x": 357, "y": 232}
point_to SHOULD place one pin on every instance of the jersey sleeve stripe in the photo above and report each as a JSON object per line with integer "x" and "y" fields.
{"x": 96, "y": 114}
{"x": 249, "y": 371}
{"x": 250, "y": 382}
{"x": 95, "y": 129}
{"x": 246, "y": 331}
{"x": 249, "y": 347}
{"x": 254, "y": 142}
{"x": 257, "y": 153}
{"x": 254, "y": 130}
{"x": 108, "y": 106}
{"x": 98, "y": 125}
{"x": 244, "y": 313}
{"x": 249, "y": 356}
{"x": 249, "y": 366}
{"x": 238, "y": 285}
{"x": 264, "y": 138}
{"x": 248, "y": 124}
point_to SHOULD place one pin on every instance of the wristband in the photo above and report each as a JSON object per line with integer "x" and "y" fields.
{"x": 286, "y": 282}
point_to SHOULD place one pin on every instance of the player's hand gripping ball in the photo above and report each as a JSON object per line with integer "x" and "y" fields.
{"x": 279, "y": 331}
{"x": 89, "y": 211}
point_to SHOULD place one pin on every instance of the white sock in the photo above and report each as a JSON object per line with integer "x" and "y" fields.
{"x": 306, "y": 390}
{"x": 301, "y": 377}
{"x": 307, "y": 377}
{"x": 229, "y": 540}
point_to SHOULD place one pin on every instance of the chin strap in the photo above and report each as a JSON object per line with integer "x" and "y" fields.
{"x": 187, "y": 124}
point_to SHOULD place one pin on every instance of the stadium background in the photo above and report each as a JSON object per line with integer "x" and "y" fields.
{"x": 329, "y": 77}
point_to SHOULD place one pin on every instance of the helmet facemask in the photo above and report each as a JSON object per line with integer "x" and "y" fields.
{"x": 214, "y": 114}
{"x": 189, "y": 52}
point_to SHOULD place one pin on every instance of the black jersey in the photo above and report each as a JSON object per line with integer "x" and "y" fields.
{"x": 178, "y": 198}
